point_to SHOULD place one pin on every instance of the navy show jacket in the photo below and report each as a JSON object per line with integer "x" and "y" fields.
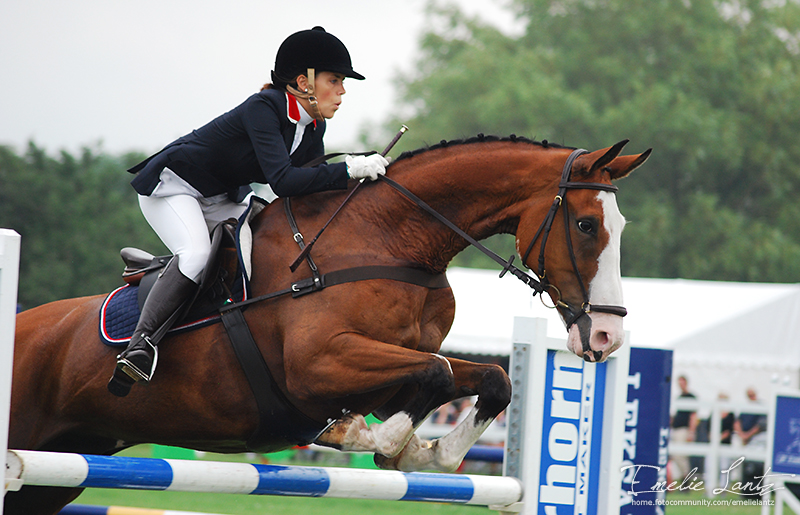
{"x": 245, "y": 145}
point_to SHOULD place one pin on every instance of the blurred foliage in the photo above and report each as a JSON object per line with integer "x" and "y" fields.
{"x": 710, "y": 85}
{"x": 74, "y": 214}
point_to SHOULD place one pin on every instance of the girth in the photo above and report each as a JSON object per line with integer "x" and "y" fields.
{"x": 280, "y": 423}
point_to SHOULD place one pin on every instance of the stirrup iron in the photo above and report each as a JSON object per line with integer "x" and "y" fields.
{"x": 134, "y": 372}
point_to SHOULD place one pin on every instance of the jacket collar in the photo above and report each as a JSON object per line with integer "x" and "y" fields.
{"x": 296, "y": 113}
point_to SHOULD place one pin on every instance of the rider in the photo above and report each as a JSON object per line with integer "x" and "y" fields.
{"x": 204, "y": 177}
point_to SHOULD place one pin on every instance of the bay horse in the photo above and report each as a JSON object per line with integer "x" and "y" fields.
{"x": 351, "y": 349}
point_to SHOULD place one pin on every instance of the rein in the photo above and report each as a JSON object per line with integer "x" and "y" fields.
{"x": 507, "y": 264}
{"x": 538, "y": 284}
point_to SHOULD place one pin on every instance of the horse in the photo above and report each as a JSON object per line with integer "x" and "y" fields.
{"x": 348, "y": 350}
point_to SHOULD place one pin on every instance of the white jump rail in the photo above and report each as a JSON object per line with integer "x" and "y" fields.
{"x": 9, "y": 278}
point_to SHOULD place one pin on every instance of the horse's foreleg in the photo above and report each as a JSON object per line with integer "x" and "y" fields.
{"x": 352, "y": 433}
{"x": 493, "y": 387}
{"x": 371, "y": 366}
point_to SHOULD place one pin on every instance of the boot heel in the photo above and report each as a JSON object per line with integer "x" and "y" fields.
{"x": 120, "y": 384}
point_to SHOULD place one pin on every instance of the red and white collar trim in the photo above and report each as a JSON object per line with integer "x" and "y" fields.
{"x": 296, "y": 113}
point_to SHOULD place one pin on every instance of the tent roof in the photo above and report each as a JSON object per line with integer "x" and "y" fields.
{"x": 702, "y": 320}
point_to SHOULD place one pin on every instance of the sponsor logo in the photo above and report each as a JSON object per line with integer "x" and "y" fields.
{"x": 569, "y": 473}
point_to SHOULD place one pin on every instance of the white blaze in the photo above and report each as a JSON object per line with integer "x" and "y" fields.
{"x": 606, "y": 287}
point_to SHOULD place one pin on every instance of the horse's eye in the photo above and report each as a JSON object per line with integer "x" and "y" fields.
{"x": 586, "y": 226}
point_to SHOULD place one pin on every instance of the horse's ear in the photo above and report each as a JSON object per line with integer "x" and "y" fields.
{"x": 589, "y": 163}
{"x": 624, "y": 165}
{"x": 608, "y": 160}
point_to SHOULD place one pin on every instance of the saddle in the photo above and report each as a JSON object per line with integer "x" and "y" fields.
{"x": 222, "y": 281}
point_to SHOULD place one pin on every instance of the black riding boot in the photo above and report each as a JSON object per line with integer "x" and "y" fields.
{"x": 138, "y": 361}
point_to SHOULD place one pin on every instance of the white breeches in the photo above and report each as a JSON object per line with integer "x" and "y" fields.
{"x": 183, "y": 222}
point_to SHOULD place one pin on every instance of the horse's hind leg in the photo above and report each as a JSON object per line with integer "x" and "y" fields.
{"x": 493, "y": 387}
{"x": 388, "y": 366}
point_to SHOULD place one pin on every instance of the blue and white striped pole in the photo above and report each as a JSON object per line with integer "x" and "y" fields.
{"x": 86, "y": 509}
{"x": 78, "y": 470}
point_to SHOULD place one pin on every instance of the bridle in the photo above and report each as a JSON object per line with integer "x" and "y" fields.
{"x": 560, "y": 200}
{"x": 540, "y": 283}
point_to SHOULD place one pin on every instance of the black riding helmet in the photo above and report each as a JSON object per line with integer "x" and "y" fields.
{"x": 313, "y": 48}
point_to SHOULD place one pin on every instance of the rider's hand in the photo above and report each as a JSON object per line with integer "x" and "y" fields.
{"x": 359, "y": 167}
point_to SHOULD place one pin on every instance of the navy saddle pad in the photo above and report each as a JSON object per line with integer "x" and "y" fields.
{"x": 120, "y": 313}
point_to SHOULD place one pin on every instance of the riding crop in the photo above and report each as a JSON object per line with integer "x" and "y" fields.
{"x": 308, "y": 247}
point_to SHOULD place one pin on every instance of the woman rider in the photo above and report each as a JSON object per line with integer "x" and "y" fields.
{"x": 204, "y": 177}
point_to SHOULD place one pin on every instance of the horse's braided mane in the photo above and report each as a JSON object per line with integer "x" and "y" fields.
{"x": 480, "y": 138}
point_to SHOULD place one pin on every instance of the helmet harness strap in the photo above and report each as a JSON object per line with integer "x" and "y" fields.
{"x": 309, "y": 94}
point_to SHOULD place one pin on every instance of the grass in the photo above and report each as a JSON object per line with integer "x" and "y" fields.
{"x": 229, "y": 504}
{"x": 232, "y": 504}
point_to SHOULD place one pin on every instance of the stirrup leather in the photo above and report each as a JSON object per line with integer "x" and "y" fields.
{"x": 134, "y": 372}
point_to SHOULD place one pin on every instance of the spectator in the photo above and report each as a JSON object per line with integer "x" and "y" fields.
{"x": 751, "y": 428}
{"x": 727, "y": 419}
{"x": 684, "y": 426}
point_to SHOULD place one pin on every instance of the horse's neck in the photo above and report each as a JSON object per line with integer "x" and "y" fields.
{"x": 481, "y": 189}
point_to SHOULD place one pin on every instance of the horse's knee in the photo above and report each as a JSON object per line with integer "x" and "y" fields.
{"x": 440, "y": 377}
{"x": 440, "y": 381}
{"x": 494, "y": 393}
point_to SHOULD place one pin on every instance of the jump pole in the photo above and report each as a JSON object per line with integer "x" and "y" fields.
{"x": 9, "y": 278}
{"x": 79, "y": 470}
{"x": 87, "y": 509}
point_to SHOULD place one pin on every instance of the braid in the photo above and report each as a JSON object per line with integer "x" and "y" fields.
{"x": 282, "y": 83}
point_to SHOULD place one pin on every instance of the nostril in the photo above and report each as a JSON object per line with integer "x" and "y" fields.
{"x": 593, "y": 356}
{"x": 600, "y": 340}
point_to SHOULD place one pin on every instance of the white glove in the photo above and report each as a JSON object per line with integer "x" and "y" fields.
{"x": 359, "y": 167}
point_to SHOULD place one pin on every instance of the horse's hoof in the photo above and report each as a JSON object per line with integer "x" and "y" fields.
{"x": 382, "y": 462}
{"x": 120, "y": 384}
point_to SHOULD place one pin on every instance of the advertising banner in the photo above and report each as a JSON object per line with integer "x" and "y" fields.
{"x": 645, "y": 452}
{"x": 572, "y": 434}
{"x": 786, "y": 436}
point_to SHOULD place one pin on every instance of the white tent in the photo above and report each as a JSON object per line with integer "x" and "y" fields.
{"x": 725, "y": 336}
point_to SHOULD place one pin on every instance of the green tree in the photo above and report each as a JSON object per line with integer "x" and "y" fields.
{"x": 74, "y": 214}
{"x": 710, "y": 85}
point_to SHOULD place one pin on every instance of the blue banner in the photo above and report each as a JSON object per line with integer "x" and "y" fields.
{"x": 786, "y": 438}
{"x": 645, "y": 453}
{"x": 571, "y": 435}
